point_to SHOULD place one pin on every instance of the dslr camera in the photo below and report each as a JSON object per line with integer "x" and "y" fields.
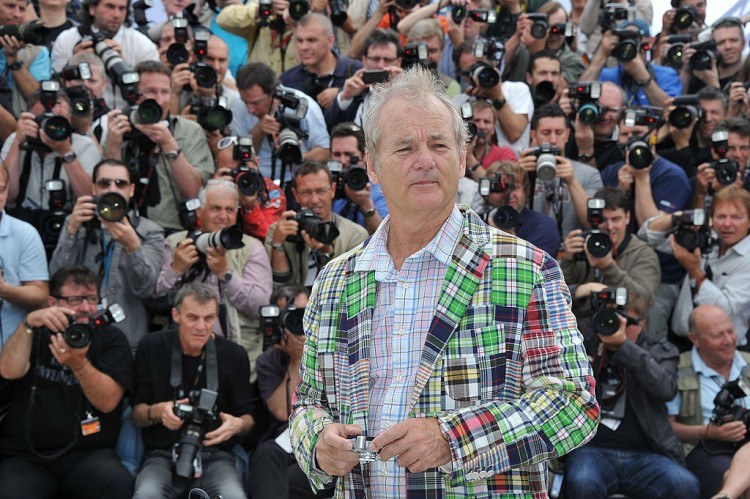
{"x": 57, "y": 128}
{"x": 607, "y": 305}
{"x": 355, "y": 176}
{"x": 482, "y": 74}
{"x": 587, "y": 95}
{"x": 111, "y": 206}
{"x": 546, "y": 163}
{"x": 677, "y": 48}
{"x": 614, "y": 13}
{"x": 627, "y": 48}
{"x": 467, "y": 114}
{"x": 80, "y": 335}
{"x": 52, "y": 220}
{"x": 117, "y": 69}
{"x": 212, "y": 112}
{"x": 80, "y": 71}
{"x": 177, "y": 53}
{"x": 597, "y": 242}
{"x": 638, "y": 153}
{"x": 504, "y": 217}
{"x": 643, "y": 116}
{"x": 80, "y": 100}
{"x": 31, "y": 32}
{"x": 273, "y": 321}
{"x": 310, "y": 222}
{"x": 289, "y": 114}
{"x": 727, "y": 405}
{"x": 687, "y": 109}
{"x": 493, "y": 49}
{"x": 726, "y": 170}
{"x": 684, "y": 17}
{"x": 539, "y": 26}
{"x": 705, "y": 54}
{"x": 691, "y": 230}
{"x": 224, "y": 239}
{"x": 414, "y": 54}
{"x": 197, "y": 416}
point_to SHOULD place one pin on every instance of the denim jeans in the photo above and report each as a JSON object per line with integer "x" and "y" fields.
{"x": 130, "y": 443}
{"x": 596, "y": 472}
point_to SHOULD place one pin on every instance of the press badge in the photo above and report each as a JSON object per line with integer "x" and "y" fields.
{"x": 90, "y": 425}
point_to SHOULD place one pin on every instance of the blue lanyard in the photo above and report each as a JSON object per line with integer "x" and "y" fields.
{"x": 107, "y": 251}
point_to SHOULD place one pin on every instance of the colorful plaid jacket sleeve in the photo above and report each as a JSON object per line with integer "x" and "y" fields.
{"x": 503, "y": 368}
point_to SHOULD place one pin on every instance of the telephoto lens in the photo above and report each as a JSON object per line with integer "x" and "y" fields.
{"x": 356, "y": 178}
{"x": 111, "y": 206}
{"x": 147, "y": 112}
{"x": 639, "y": 154}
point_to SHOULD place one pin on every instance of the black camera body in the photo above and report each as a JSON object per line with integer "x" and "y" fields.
{"x": 111, "y": 206}
{"x": 31, "y": 33}
{"x": 687, "y": 109}
{"x": 212, "y": 112}
{"x": 274, "y": 321}
{"x": 627, "y": 47}
{"x": 691, "y": 230}
{"x": 298, "y": 9}
{"x": 57, "y": 127}
{"x": 265, "y": 11}
{"x": 540, "y": 24}
{"x": 177, "y": 53}
{"x": 289, "y": 114}
{"x": 493, "y": 49}
{"x": 607, "y": 305}
{"x": 249, "y": 181}
{"x": 546, "y": 163}
{"x": 205, "y": 75}
{"x": 643, "y": 116}
{"x": 705, "y": 54}
{"x": 414, "y": 54}
{"x": 188, "y": 213}
{"x": 355, "y": 176}
{"x": 677, "y": 48}
{"x": 726, "y": 407}
{"x": 80, "y": 335}
{"x": 197, "y": 416}
{"x": 726, "y": 170}
{"x": 117, "y": 69}
{"x": 80, "y": 71}
{"x": 482, "y": 74}
{"x": 310, "y": 222}
{"x": 587, "y": 95}
{"x": 80, "y": 100}
{"x": 597, "y": 242}
{"x": 504, "y": 217}
{"x": 614, "y": 13}
{"x": 684, "y": 17}
{"x": 498, "y": 183}
{"x": 638, "y": 153}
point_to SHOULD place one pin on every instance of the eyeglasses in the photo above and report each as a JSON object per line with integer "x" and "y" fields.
{"x": 120, "y": 183}
{"x": 387, "y": 60}
{"x": 606, "y": 109}
{"x": 74, "y": 301}
{"x": 318, "y": 192}
{"x": 226, "y": 142}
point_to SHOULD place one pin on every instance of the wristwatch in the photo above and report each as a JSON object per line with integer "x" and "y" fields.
{"x": 69, "y": 157}
{"x": 278, "y": 247}
{"x": 498, "y": 103}
{"x": 227, "y": 277}
{"x": 585, "y": 158}
{"x": 16, "y": 65}
{"x": 172, "y": 155}
{"x": 27, "y": 326}
{"x": 369, "y": 213}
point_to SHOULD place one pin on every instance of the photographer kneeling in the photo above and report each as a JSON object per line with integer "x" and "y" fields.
{"x": 193, "y": 399}
{"x": 68, "y": 370}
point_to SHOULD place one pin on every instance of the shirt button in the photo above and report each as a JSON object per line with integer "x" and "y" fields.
{"x": 399, "y": 378}
{"x": 405, "y": 285}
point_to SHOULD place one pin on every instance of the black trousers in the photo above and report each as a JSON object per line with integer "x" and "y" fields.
{"x": 708, "y": 463}
{"x": 77, "y": 474}
{"x": 275, "y": 474}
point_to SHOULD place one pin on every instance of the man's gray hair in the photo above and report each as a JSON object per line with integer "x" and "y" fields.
{"x": 92, "y": 59}
{"x": 203, "y": 293}
{"x": 320, "y": 19}
{"x": 416, "y": 86}
{"x": 213, "y": 185}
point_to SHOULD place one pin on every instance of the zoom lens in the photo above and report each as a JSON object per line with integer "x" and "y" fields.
{"x": 111, "y": 207}
{"x": 57, "y": 128}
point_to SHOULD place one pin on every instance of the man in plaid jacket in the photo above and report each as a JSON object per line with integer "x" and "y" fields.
{"x": 450, "y": 342}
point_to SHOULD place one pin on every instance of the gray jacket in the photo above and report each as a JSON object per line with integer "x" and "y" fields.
{"x": 132, "y": 277}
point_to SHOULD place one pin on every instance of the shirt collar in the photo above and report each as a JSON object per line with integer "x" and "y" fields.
{"x": 742, "y": 248}
{"x": 700, "y": 367}
{"x": 4, "y": 224}
{"x": 376, "y": 257}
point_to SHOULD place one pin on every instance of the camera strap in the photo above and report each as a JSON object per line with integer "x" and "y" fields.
{"x": 209, "y": 359}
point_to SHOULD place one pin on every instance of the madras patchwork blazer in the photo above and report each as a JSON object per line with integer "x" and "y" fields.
{"x": 503, "y": 368}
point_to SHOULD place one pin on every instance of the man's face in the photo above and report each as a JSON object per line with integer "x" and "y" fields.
{"x": 626, "y": 133}
{"x": 419, "y": 163}
{"x": 381, "y": 56}
{"x": 316, "y": 192}
{"x": 217, "y": 56}
{"x": 544, "y": 70}
{"x": 731, "y": 223}
{"x": 611, "y": 99}
{"x": 344, "y": 148}
{"x": 175, "y": 6}
{"x": 107, "y": 179}
{"x": 555, "y": 42}
{"x": 552, "y": 131}
{"x": 156, "y": 86}
{"x": 96, "y": 84}
{"x": 434, "y": 49}
{"x": 195, "y": 320}
{"x": 615, "y": 222}
{"x": 713, "y": 114}
{"x": 109, "y": 15}
{"x": 700, "y": 8}
{"x": 3, "y": 191}
{"x": 80, "y": 298}
{"x": 220, "y": 210}
{"x": 715, "y": 340}
{"x": 729, "y": 43}
{"x": 739, "y": 149}
{"x": 484, "y": 119}
{"x": 471, "y": 27}
{"x": 258, "y": 102}
{"x": 517, "y": 198}
{"x": 313, "y": 44}
{"x": 12, "y": 11}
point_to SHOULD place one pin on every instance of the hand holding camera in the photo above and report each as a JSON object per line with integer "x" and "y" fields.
{"x": 217, "y": 262}
{"x": 185, "y": 256}
{"x": 73, "y": 358}
{"x": 690, "y": 259}
{"x": 11, "y": 45}
{"x": 26, "y": 127}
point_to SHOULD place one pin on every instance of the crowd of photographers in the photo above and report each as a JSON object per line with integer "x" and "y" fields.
{"x": 175, "y": 176}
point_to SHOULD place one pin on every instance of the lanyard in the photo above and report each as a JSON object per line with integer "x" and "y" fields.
{"x": 107, "y": 251}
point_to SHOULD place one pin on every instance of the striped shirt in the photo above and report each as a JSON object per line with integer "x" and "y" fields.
{"x": 405, "y": 306}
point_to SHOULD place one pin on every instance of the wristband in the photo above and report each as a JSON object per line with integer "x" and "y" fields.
{"x": 645, "y": 83}
{"x": 151, "y": 420}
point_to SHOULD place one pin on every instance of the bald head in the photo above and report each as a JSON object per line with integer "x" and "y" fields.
{"x": 704, "y": 316}
{"x": 712, "y": 334}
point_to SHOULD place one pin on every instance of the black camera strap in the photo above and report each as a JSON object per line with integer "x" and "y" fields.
{"x": 209, "y": 358}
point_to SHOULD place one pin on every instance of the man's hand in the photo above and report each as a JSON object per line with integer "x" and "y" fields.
{"x": 315, "y": 244}
{"x": 181, "y": 77}
{"x": 615, "y": 340}
{"x": 269, "y": 126}
{"x": 565, "y": 169}
{"x": 217, "y": 261}
{"x": 739, "y": 100}
{"x": 334, "y": 451}
{"x": 704, "y": 177}
{"x": 565, "y": 101}
{"x": 287, "y": 226}
{"x": 625, "y": 178}
{"x": 230, "y": 426}
{"x": 418, "y": 443}
{"x": 159, "y": 133}
{"x": 667, "y": 19}
{"x": 354, "y": 85}
{"x": 734, "y": 431}
{"x": 362, "y": 198}
{"x": 293, "y": 346}
{"x": 325, "y": 98}
{"x": 119, "y": 125}
{"x": 599, "y": 263}
{"x": 637, "y": 69}
{"x": 608, "y": 44}
{"x": 585, "y": 289}
{"x": 573, "y": 244}
{"x": 123, "y": 233}
{"x": 690, "y": 260}
{"x": 73, "y": 358}
{"x": 527, "y": 161}
{"x": 26, "y": 127}
{"x": 11, "y": 45}
{"x": 61, "y": 147}
{"x": 83, "y": 211}
{"x": 165, "y": 412}
{"x": 584, "y": 136}
{"x": 185, "y": 256}
{"x": 53, "y": 318}
{"x": 87, "y": 45}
